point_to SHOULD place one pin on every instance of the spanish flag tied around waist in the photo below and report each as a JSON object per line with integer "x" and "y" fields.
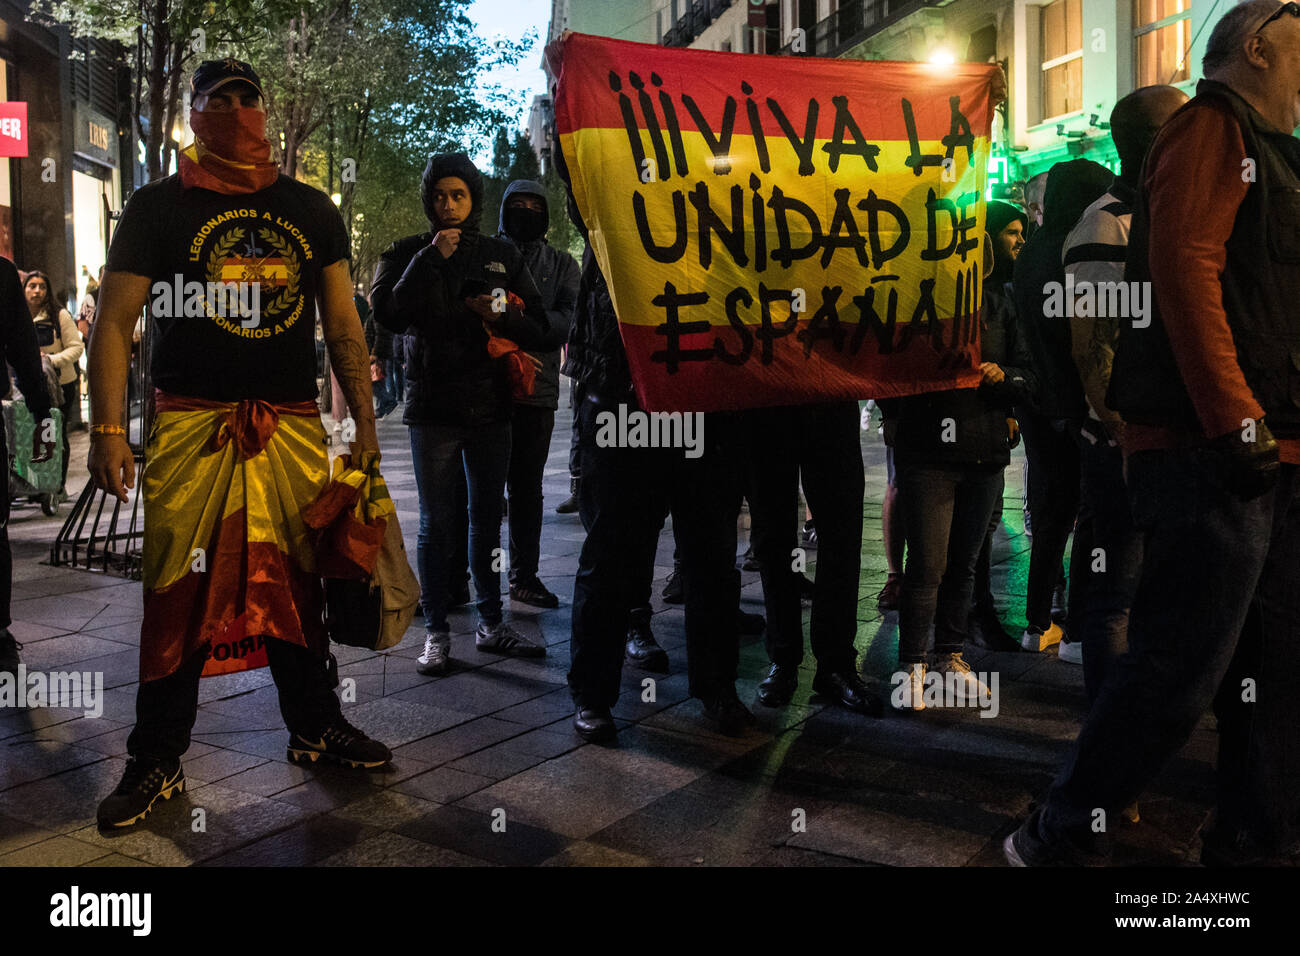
{"x": 242, "y": 519}
{"x": 780, "y": 230}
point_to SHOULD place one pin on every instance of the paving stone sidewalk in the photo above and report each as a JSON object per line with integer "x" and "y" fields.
{"x": 938, "y": 788}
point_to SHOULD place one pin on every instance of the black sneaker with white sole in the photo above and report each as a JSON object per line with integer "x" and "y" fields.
{"x": 145, "y": 781}
{"x": 1025, "y": 847}
{"x": 501, "y": 638}
{"x": 341, "y": 743}
{"x": 533, "y": 592}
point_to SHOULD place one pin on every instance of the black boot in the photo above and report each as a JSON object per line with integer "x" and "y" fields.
{"x": 778, "y": 686}
{"x": 569, "y": 506}
{"x": 594, "y": 724}
{"x": 643, "y": 650}
{"x": 727, "y": 713}
{"x": 985, "y": 630}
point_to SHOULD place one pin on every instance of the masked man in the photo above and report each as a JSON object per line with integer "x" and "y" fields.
{"x": 525, "y": 217}
{"x": 231, "y": 258}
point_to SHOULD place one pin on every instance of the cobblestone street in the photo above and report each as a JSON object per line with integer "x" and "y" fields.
{"x": 938, "y": 788}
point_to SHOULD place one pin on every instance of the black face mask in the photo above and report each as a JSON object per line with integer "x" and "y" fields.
{"x": 524, "y": 224}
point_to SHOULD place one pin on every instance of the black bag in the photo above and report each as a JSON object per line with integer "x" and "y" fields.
{"x": 354, "y": 612}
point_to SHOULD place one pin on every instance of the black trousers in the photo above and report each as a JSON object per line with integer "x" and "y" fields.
{"x": 530, "y": 442}
{"x": 821, "y": 444}
{"x": 575, "y": 397}
{"x": 71, "y": 405}
{"x": 642, "y": 583}
{"x": 622, "y": 500}
{"x": 165, "y": 709}
{"x": 983, "y": 597}
{"x": 6, "y": 556}
{"x": 1053, "y": 456}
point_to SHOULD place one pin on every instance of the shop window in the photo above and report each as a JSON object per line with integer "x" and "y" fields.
{"x": 1061, "y": 43}
{"x": 1161, "y": 40}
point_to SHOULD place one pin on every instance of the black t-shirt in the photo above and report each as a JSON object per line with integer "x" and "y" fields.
{"x": 240, "y": 322}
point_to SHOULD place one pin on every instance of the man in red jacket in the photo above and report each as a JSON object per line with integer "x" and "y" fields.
{"x": 1204, "y": 380}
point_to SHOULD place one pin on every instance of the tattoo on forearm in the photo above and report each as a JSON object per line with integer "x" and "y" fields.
{"x": 1098, "y": 359}
{"x": 351, "y": 364}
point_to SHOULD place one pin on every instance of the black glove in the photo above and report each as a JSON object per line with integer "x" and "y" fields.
{"x": 1247, "y": 468}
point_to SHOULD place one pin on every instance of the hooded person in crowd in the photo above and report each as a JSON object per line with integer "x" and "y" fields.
{"x": 1094, "y": 255}
{"x": 948, "y": 490}
{"x": 1005, "y": 229}
{"x": 469, "y": 304}
{"x": 1047, "y": 427}
{"x": 525, "y": 217}
{"x": 237, "y": 452}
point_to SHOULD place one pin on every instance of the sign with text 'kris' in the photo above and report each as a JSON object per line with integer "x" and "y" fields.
{"x": 780, "y": 230}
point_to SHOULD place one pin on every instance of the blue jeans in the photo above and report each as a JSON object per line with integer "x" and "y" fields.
{"x": 383, "y": 396}
{"x": 946, "y": 511}
{"x": 396, "y": 381}
{"x": 1219, "y": 589}
{"x": 440, "y": 453}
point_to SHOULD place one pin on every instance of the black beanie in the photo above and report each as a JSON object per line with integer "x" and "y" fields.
{"x": 1001, "y": 214}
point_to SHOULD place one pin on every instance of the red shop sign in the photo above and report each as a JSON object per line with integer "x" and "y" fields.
{"x": 13, "y": 129}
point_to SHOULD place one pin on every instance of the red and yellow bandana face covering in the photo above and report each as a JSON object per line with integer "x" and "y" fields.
{"x": 230, "y": 153}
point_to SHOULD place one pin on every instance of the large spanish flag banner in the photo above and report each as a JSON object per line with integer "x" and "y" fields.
{"x": 778, "y": 230}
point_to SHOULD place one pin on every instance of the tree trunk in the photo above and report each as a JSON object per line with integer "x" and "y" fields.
{"x": 137, "y": 102}
{"x": 173, "y": 100}
{"x": 160, "y": 44}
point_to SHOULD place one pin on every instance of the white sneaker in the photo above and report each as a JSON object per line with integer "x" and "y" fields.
{"x": 1037, "y": 640}
{"x": 437, "y": 654}
{"x": 910, "y": 693}
{"x": 1070, "y": 651}
{"x": 968, "y": 685}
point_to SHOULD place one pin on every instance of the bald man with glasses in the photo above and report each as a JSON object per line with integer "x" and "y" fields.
{"x": 1208, "y": 386}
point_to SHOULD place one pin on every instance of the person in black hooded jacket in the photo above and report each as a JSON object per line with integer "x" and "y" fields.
{"x": 448, "y": 290}
{"x": 1005, "y": 230}
{"x": 525, "y": 216}
{"x": 950, "y": 451}
{"x": 1049, "y": 425}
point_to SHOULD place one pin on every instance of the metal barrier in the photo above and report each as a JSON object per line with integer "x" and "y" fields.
{"x": 103, "y": 533}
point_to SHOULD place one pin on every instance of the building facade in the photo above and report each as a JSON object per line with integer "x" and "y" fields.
{"x": 62, "y": 187}
{"x": 1067, "y": 61}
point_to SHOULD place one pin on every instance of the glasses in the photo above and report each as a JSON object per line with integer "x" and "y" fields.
{"x": 1292, "y": 8}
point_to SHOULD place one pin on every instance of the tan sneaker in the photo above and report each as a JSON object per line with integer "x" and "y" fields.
{"x": 908, "y": 691}
{"x": 969, "y": 687}
{"x": 1037, "y": 640}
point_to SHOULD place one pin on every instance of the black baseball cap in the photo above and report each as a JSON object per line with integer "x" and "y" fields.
{"x": 214, "y": 74}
